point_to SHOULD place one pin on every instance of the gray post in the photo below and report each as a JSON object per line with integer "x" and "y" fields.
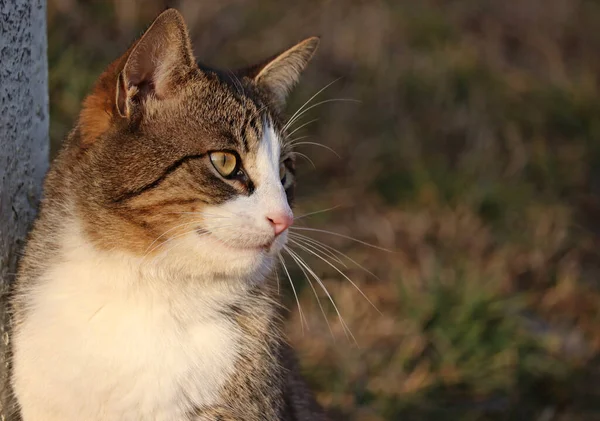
{"x": 23, "y": 141}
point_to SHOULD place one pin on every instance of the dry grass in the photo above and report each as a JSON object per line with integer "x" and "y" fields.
{"x": 474, "y": 155}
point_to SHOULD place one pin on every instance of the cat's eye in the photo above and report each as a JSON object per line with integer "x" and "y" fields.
{"x": 282, "y": 172}
{"x": 225, "y": 163}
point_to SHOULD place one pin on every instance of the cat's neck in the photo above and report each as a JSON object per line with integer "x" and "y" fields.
{"x": 148, "y": 320}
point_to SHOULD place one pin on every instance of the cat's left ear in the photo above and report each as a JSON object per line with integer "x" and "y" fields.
{"x": 157, "y": 62}
{"x": 280, "y": 73}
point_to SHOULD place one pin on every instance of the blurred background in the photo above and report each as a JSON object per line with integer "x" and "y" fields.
{"x": 474, "y": 155}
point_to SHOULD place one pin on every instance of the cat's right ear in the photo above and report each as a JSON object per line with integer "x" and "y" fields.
{"x": 156, "y": 63}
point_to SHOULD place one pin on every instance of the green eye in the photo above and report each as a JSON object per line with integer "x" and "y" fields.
{"x": 224, "y": 162}
{"x": 282, "y": 172}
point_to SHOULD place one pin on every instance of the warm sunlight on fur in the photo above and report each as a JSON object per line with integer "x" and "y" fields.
{"x": 147, "y": 284}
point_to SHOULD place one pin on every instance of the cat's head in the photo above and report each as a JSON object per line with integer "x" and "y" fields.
{"x": 186, "y": 165}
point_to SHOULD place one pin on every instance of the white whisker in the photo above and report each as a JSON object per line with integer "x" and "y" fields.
{"x": 316, "y": 212}
{"x": 314, "y": 291}
{"x": 301, "y": 237}
{"x": 169, "y": 230}
{"x": 163, "y": 244}
{"x": 301, "y": 126}
{"x": 318, "y": 144}
{"x": 278, "y": 283}
{"x": 198, "y": 213}
{"x": 316, "y": 278}
{"x": 292, "y": 142}
{"x": 290, "y": 121}
{"x": 166, "y": 250}
{"x": 260, "y": 110}
{"x": 339, "y": 271}
{"x": 302, "y": 318}
{"x": 318, "y": 247}
{"x": 305, "y": 157}
{"x": 237, "y": 83}
{"x": 179, "y": 236}
{"x": 342, "y": 236}
{"x": 320, "y": 103}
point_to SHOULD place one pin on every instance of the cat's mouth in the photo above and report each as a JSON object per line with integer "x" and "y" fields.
{"x": 239, "y": 245}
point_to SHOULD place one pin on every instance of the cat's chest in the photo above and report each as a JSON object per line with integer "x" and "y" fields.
{"x": 114, "y": 354}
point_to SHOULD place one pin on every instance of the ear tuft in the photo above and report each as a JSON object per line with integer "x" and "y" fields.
{"x": 280, "y": 74}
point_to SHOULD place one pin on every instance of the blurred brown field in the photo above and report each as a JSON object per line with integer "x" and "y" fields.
{"x": 473, "y": 155}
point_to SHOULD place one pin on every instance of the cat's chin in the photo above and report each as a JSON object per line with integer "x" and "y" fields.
{"x": 207, "y": 254}
{"x": 241, "y": 259}
{"x": 244, "y": 246}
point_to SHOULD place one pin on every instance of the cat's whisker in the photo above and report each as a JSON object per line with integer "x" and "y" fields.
{"x": 289, "y": 123}
{"x": 278, "y": 283}
{"x": 237, "y": 83}
{"x": 183, "y": 235}
{"x": 260, "y": 110}
{"x": 203, "y": 233}
{"x": 219, "y": 214}
{"x": 162, "y": 244}
{"x": 302, "y": 318}
{"x": 320, "y": 248}
{"x": 342, "y": 236}
{"x": 292, "y": 142}
{"x": 305, "y": 157}
{"x": 198, "y": 213}
{"x": 318, "y": 279}
{"x": 316, "y": 212}
{"x": 314, "y": 291}
{"x": 315, "y": 242}
{"x": 321, "y": 103}
{"x": 164, "y": 253}
{"x": 338, "y": 271}
{"x": 234, "y": 243}
{"x": 318, "y": 144}
{"x": 301, "y": 126}
{"x": 167, "y": 231}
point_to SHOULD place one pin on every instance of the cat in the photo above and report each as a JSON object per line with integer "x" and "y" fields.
{"x": 146, "y": 289}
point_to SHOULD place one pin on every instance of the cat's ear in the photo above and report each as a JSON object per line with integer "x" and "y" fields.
{"x": 155, "y": 64}
{"x": 280, "y": 73}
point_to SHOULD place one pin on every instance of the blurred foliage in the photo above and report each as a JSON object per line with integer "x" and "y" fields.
{"x": 474, "y": 155}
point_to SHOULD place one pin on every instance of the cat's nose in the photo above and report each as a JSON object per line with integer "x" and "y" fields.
{"x": 280, "y": 221}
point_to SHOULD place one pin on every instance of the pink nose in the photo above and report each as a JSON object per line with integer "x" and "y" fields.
{"x": 280, "y": 221}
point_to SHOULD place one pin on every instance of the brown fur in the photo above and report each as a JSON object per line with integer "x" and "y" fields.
{"x": 129, "y": 161}
{"x": 137, "y": 160}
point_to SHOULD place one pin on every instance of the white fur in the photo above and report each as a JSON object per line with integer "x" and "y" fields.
{"x": 238, "y": 229}
{"x": 110, "y": 339}
{"x": 248, "y": 214}
{"x": 115, "y": 337}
